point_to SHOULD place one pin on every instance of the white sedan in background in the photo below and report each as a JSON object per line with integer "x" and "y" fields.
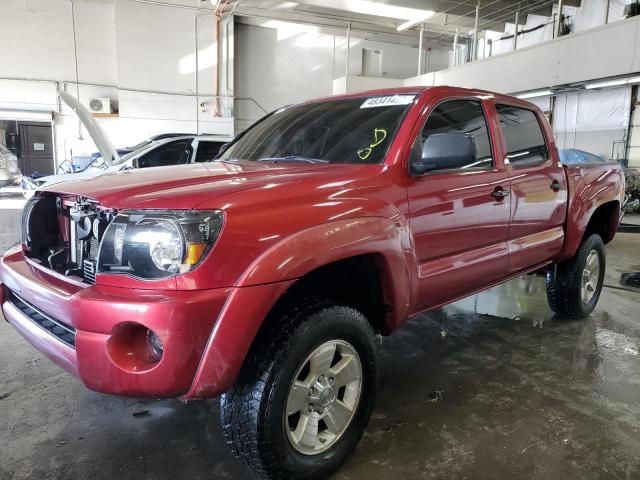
{"x": 159, "y": 153}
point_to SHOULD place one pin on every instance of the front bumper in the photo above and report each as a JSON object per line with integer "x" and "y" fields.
{"x": 107, "y": 322}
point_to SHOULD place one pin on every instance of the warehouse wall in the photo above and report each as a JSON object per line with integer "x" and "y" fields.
{"x": 142, "y": 56}
{"x": 285, "y": 63}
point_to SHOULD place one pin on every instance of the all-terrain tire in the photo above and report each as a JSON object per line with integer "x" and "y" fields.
{"x": 253, "y": 411}
{"x": 565, "y": 282}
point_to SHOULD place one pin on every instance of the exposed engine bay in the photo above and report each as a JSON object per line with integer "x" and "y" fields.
{"x": 64, "y": 233}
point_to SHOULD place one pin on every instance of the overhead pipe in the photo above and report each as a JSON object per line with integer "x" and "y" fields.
{"x": 75, "y": 58}
{"x": 219, "y": 12}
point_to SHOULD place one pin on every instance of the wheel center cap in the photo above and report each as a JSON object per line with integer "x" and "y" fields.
{"x": 326, "y": 397}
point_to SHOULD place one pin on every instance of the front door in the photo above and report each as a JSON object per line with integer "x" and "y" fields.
{"x": 36, "y": 148}
{"x": 538, "y": 188}
{"x": 459, "y": 218}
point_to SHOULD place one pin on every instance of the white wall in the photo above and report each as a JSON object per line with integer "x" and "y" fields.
{"x": 141, "y": 56}
{"x": 283, "y": 63}
{"x": 354, "y": 84}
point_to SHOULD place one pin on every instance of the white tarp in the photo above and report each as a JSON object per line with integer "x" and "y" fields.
{"x": 592, "y": 13}
{"x": 593, "y": 120}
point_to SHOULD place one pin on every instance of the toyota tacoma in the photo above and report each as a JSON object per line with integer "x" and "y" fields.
{"x": 263, "y": 277}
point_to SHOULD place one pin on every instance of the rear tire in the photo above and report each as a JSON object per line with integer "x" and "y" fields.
{"x": 574, "y": 288}
{"x": 261, "y": 414}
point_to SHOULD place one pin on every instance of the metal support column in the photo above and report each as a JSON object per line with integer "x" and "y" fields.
{"x": 346, "y": 68}
{"x": 559, "y": 24}
{"x": 606, "y": 11}
{"x": 455, "y": 48}
{"x": 514, "y": 43}
{"x": 420, "y": 52}
{"x": 474, "y": 54}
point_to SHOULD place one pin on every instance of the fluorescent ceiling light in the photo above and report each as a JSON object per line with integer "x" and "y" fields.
{"x": 612, "y": 83}
{"x": 373, "y": 7}
{"x": 538, "y": 93}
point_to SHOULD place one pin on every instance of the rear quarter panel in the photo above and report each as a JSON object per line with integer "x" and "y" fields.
{"x": 590, "y": 186}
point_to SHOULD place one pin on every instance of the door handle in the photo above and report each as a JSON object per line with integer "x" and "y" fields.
{"x": 499, "y": 193}
{"x": 555, "y": 186}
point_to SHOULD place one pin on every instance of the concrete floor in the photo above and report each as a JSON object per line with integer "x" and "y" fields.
{"x": 492, "y": 387}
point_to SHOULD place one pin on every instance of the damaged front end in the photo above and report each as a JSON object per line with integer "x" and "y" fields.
{"x": 77, "y": 237}
{"x": 63, "y": 233}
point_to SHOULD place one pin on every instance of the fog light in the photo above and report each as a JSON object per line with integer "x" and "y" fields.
{"x": 155, "y": 346}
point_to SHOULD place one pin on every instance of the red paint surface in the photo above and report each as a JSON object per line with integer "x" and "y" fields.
{"x": 438, "y": 237}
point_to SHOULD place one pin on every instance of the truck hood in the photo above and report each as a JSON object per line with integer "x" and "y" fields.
{"x": 66, "y": 177}
{"x": 187, "y": 186}
{"x": 99, "y": 137}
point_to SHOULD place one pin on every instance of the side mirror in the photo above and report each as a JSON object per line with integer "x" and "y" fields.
{"x": 444, "y": 151}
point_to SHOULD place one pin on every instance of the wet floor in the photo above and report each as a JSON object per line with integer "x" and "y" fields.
{"x": 492, "y": 387}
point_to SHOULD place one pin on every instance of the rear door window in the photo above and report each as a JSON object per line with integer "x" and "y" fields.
{"x": 523, "y": 135}
{"x": 207, "y": 150}
{"x": 170, "y": 153}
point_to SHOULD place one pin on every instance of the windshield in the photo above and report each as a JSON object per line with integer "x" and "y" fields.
{"x": 358, "y": 130}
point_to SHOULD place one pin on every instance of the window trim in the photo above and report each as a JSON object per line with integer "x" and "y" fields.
{"x": 483, "y": 107}
{"x": 507, "y": 160}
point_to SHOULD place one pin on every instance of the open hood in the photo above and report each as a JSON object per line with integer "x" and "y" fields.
{"x": 99, "y": 137}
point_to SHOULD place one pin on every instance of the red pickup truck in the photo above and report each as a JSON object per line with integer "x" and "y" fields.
{"x": 264, "y": 276}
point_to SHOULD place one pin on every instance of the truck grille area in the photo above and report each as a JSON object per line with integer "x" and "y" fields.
{"x": 63, "y": 233}
{"x": 63, "y": 332}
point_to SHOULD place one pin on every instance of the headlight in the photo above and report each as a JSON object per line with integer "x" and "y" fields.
{"x": 158, "y": 244}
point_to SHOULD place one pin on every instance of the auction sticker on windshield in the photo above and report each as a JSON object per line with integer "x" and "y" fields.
{"x": 387, "y": 101}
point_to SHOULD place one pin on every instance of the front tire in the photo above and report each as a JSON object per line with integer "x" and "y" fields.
{"x": 305, "y": 394}
{"x": 574, "y": 288}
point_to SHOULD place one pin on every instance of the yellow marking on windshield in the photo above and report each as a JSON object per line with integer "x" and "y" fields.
{"x": 379, "y": 136}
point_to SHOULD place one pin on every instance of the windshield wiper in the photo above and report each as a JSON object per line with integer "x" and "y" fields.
{"x": 293, "y": 158}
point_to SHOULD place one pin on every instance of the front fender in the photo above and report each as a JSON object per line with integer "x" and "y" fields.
{"x": 324, "y": 244}
{"x": 277, "y": 269}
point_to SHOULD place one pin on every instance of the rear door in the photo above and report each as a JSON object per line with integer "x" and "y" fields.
{"x": 458, "y": 218}
{"x": 537, "y": 185}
